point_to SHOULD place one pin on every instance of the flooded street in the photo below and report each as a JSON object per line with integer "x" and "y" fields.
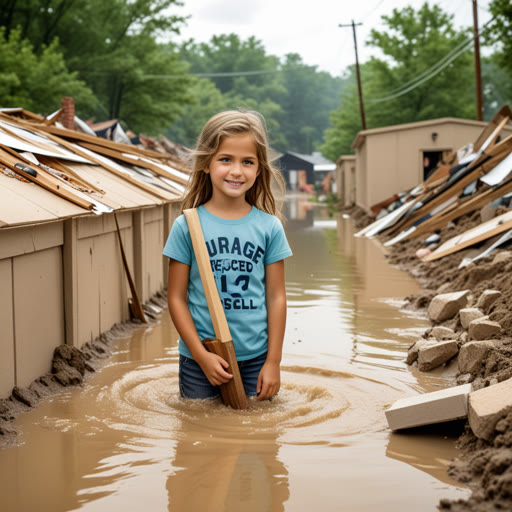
{"x": 126, "y": 441}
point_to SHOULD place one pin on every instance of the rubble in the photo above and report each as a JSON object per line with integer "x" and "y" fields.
{"x": 488, "y": 406}
{"x": 447, "y": 305}
{"x": 432, "y": 356}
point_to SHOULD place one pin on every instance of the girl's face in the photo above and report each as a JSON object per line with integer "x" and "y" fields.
{"x": 234, "y": 167}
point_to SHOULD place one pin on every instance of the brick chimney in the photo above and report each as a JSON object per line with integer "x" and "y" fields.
{"x": 68, "y": 112}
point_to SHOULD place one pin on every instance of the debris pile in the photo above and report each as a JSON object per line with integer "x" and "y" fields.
{"x": 453, "y": 233}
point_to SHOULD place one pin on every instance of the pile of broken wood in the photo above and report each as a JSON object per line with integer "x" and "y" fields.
{"x": 477, "y": 175}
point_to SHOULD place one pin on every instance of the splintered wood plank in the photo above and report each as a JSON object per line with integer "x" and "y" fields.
{"x": 448, "y": 193}
{"x": 133, "y": 159}
{"x": 473, "y": 236}
{"x": 493, "y": 123}
{"x": 39, "y": 176}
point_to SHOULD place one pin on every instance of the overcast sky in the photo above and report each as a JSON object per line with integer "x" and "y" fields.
{"x": 309, "y": 28}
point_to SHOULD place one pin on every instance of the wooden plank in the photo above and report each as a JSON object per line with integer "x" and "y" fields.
{"x": 453, "y": 190}
{"x": 39, "y": 176}
{"x": 473, "y": 236}
{"x": 110, "y": 167}
{"x": 463, "y": 209}
{"x": 100, "y": 141}
{"x": 493, "y": 123}
{"x": 233, "y": 392}
{"x": 135, "y": 160}
{"x": 56, "y": 164}
{"x": 220, "y": 324}
{"x": 135, "y": 306}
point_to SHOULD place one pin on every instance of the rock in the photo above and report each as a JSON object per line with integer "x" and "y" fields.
{"x": 465, "y": 378}
{"x": 487, "y": 406}
{"x": 502, "y": 256}
{"x": 431, "y": 357}
{"x": 483, "y": 328}
{"x": 412, "y": 354}
{"x": 442, "y": 333}
{"x": 444, "y": 288}
{"x": 463, "y": 337}
{"x": 487, "y": 299}
{"x": 467, "y": 315}
{"x": 472, "y": 354}
{"x": 447, "y": 305}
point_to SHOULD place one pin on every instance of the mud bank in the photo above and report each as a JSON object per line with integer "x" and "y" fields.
{"x": 486, "y": 467}
{"x": 70, "y": 367}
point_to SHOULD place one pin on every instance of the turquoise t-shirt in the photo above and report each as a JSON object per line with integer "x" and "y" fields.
{"x": 239, "y": 250}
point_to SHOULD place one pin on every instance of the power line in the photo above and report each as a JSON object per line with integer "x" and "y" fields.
{"x": 432, "y": 71}
{"x": 216, "y": 75}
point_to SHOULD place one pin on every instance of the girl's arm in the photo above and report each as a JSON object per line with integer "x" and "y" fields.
{"x": 212, "y": 365}
{"x": 269, "y": 379}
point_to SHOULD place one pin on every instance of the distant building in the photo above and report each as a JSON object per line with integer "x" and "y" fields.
{"x": 303, "y": 172}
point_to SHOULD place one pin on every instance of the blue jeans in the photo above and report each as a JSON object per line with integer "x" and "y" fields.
{"x": 194, "y": 384}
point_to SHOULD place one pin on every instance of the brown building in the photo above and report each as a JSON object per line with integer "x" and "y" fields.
{"x": 398, "y": 158}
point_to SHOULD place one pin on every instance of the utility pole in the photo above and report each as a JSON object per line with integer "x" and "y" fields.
{"x": 359, "y": 88}
{"x": 478, "y": 77}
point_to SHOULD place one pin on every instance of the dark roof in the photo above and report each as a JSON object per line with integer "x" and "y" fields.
{"x": 315, "y": 158}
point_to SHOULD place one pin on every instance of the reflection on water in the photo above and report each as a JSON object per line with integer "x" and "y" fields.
{"x": 127, "y": 441}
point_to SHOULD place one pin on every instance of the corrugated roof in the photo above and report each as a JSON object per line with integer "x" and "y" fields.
{"x": 319, "y": 162}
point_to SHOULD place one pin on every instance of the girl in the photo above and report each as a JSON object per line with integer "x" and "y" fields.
{"x": 230, "y": 186}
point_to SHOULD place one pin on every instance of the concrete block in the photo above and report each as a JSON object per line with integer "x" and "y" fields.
{"x": 443, "y": 333}
{"x": 472, "y": 354}
{"x": 436, "y": 407}
{"x": 414, "y": 349}
{"x": 487, "y": 299}
{"x": 467, "y": 315}
{"x": 447, "y": 305}
{"x": 502, "y": 256}
{"x": 435, "y": 355}
{"x": 483, "y": 328}
{"x": 487, "y": 406}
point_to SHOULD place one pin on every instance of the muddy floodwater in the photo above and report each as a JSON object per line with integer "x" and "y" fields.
{"x": 125, "y": 441}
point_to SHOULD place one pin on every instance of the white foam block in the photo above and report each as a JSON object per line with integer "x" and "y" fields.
{"x": 436, "y": 407}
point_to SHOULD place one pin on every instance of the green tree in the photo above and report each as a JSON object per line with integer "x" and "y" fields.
{"x": 37, "y": 81}
{"x": 412, "y": 43}
{"x": 310, "y": 97}
{"x": 497, "y": 70}
{"x": 113, "y": 47}
{"x": 260, "y": 89}
{"x": 499, "y": 33}
{"x": 207, "y": 100}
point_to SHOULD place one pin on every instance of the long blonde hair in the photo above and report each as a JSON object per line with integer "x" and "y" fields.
{"x": 222, "y": 125}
